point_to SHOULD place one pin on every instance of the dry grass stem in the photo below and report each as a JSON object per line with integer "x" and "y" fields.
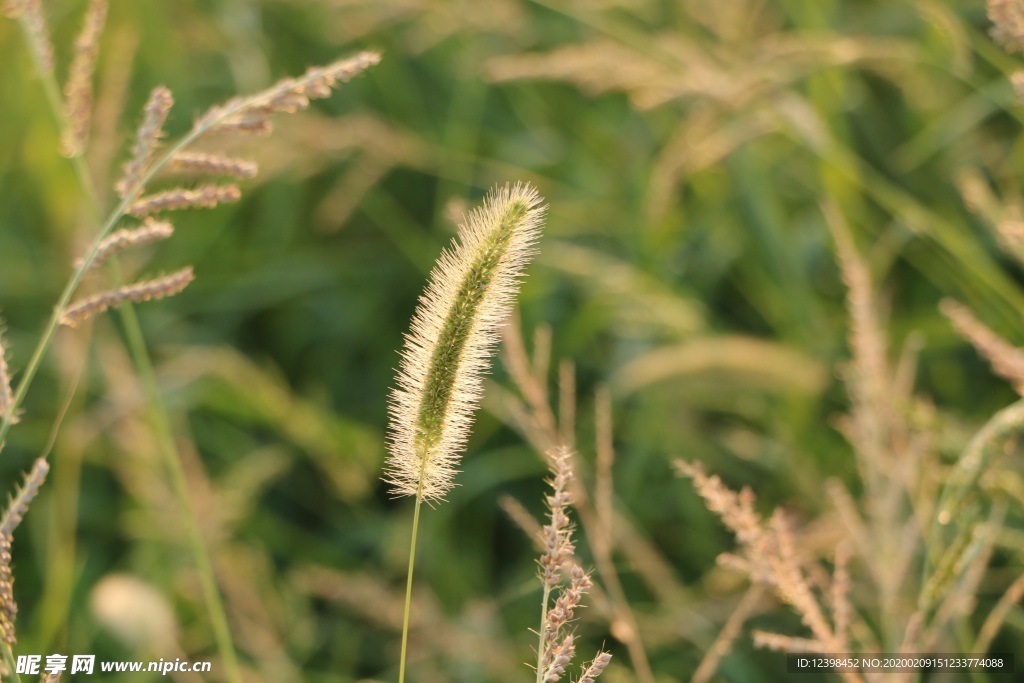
{"x": 603, "y": 489}
{"x": 127, "y": 238}
{"x": 213, "y": 164}
{"x": 532, "y": 385}
{"x": 842, "y": 610}
{"x": 146, "y": 139}
{"x": 453, "y": 333}
{"x": 158, "y": 288}
{"x": 567, "y": 403}
{"x": 869, "y": 382}
{"x": 78, "y": 89}
{"x": 522, "y": 518}
{"x": 7, "y": 411}
{"x": 25, "y": 494}
{"x": 1006, "y": 359}
{"x": 205, "y": 196}
{"x": 727, "y": 636}
{"x": 998, "y": 615}
{"x": 114, "y": 81}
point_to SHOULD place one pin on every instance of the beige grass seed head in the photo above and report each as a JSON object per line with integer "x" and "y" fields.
{"x": 452, "y": 336}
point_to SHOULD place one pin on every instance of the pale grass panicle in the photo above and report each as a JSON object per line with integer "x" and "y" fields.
{"x": 127, "y": 238}
{"x": 12, "y": 516}
{"x": 30, "y": 14}
{"x": 158, "y": 288}
{"x": 8, "y": 607}
{"x": 79, "y": 86}
{"x": 1007, "y": 17}
{"x": 214, "y": 164}
{"x": 770, "y": 557}
{"x": 202, "y": 197}
{"x": 150, "y": 131}
{"x": 556, "y": 645}
{"x": 1006, "y": 359}
{"x": 452, "y": 336}
{"x": 18, "y": 505}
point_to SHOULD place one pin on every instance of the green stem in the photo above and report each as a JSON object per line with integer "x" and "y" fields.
{"x": 424, "y": 457}
{"x": 179, "y": 482}
{"x": 8, "y": 656}
{"x": 408, "y": 585}
{"x": 542, "y": 632}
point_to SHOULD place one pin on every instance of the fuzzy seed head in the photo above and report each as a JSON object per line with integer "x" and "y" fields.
{"x": 452, "y": 337}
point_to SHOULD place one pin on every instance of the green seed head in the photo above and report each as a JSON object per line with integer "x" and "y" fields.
{"x": 452, "y": 337}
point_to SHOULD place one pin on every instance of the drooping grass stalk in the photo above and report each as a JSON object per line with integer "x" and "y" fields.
{"x": 144, "y": 366}
{"x": 225, "y": 115}
{"x": 289, "y": 95}
{"x": 453, "y": 333}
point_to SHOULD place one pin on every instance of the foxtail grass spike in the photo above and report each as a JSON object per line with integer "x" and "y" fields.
{"x": 454, "y": 329}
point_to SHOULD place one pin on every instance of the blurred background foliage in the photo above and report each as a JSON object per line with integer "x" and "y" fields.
{"x": 685, "y": 148}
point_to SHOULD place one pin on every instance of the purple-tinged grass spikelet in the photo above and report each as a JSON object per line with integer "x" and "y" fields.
{"x": 251, "y": 113}
{"x": 556, "y": 643}
{"x": 116, "y": 242}
{"x": 19, "y": 503}
{"x": 213, "y": 164}
{"x": 149, "y": 134}
{"x": 597, "y": 666}
{"x": 78, "y": 89}
{"x": 453, "y": 333}
{"x": 205, "y": 196}
{"x": 30, "y": 14}
{"x": 8, "y": 607}
{"x": 159, "y": 288}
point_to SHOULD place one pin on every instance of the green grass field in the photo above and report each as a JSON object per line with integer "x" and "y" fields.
{"x": 691, "y": 154}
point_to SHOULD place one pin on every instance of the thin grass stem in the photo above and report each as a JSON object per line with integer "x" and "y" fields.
{"x": 542, "y": 633}
{"x": 160, "y": 422}
{"x": 408, "y": 585}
